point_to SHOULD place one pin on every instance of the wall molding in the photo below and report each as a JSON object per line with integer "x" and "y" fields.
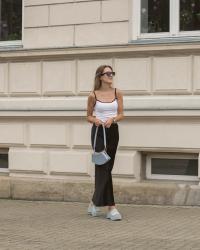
{"x": 73, "y": 52}
{"x": 76, "y": 106}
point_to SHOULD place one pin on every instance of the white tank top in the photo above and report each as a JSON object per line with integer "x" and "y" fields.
{"x": 105, "y": 110}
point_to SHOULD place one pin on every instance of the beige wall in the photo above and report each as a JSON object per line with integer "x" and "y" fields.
{"x": 52, "y": 147}
{"x": 58, "y": 142}
{"x": 44, "y": 88}
{"x": 144, "y": 76}
{"x": 75, "y": 23}
{"x": 47, "y": 148}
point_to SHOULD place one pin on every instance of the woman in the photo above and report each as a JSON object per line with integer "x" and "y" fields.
{"x": 107, "y": 104}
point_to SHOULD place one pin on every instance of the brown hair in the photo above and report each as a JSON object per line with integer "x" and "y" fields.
{"x": 99, "y": 71}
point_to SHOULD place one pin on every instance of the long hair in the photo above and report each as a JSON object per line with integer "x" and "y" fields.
{"x": 99, "y": 71}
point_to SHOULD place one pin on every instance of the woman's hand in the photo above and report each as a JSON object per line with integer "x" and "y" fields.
{"x": 108, "y": 123}
{"x": 98, "y": 122}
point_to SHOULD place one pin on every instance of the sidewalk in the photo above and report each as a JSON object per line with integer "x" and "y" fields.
{"x": 27, "y": 225}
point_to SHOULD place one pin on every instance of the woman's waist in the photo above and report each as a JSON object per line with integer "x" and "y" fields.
{"x": 105, "y": 116}
{"x": 100, "y": 127}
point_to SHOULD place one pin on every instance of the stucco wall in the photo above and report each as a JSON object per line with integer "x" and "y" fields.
{"x": 54, "y": 147}
{"x": 44, "y": 98}
{"x": 44, "y": 87}
{"x": 135, "y": 76}
{"x": 43, "y": 108}
{"x": 75, "y": 23}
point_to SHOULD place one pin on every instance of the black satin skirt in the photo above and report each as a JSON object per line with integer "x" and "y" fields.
{"x": 103, "y": 193}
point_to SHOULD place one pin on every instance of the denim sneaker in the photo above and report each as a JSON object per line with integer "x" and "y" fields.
{"x": 114, "y": 215}
{"x": 93, "y": 210}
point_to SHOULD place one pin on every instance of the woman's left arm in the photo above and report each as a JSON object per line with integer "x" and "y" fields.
{"x": 120, "y": 112}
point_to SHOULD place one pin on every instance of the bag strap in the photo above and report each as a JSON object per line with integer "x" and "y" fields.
{"x": 104, "y": 137}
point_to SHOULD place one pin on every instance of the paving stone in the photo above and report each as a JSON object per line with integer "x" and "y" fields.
{"x": 27, "y": 225}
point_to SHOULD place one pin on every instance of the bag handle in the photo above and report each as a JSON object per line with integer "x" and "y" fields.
{"x": 104, "y": 137}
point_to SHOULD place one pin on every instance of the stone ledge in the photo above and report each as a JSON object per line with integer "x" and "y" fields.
{"x": 81, "y": 191}
{"x": 183, "y": 48}
{"x": 78, "y": 103}
{"x": 75, "y": 106}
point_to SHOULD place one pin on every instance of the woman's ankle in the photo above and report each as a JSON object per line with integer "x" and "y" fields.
{"x": 110, "y": 208}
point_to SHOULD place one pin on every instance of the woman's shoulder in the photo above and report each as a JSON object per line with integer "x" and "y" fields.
{"x": 119, "y": 93}
{"x": 92, "y": 93}
{"x": 91, "y": 96}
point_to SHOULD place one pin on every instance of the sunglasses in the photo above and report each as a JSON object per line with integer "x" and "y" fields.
{"x": 109, "y": 74}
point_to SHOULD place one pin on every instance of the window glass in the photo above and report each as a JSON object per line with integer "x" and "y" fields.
{"x": 174, "y": 166}
{"x": 155, "y": 16}
{"x": 189, "y": 15}
{"x": 3, "y": 160}
{"x": 10, "y": 20}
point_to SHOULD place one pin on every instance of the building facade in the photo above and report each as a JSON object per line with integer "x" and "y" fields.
{"x": 47, "y": 66}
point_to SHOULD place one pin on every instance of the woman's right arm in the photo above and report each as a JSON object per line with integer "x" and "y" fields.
{"x": 90, "y": 109}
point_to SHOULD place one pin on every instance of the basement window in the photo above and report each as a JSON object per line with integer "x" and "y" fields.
{"x": 172, "y": 167}
{"x": 3, "y": 160}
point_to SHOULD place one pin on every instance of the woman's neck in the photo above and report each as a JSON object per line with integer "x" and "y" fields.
{"x": 105, "y": 87}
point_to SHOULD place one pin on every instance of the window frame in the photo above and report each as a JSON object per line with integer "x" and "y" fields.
{"x": 151, "y": 176}
{"x": 14, "y": 43}
{"x": 174, "y": 24}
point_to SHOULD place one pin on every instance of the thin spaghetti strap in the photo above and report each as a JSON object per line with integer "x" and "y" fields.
{"x": 115, "y": 93}
{"x": 95, "y": 95}
{"x": 95, "y": 98}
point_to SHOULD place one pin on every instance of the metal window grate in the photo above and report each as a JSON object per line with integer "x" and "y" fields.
{"x": 166, "y": 166}
{"x": 188, "y": 167}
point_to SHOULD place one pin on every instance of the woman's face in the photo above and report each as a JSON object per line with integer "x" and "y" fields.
{"x": 107, "y": 75}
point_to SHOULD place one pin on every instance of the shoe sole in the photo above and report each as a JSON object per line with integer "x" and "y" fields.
{"x": 118, "y": 219}
{"x": 94, "y": 214}
{"x": 115, "y": 218}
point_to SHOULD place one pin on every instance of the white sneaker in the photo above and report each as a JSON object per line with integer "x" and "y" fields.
{"x": 93, "y": 210}
{"x": 114, "y": 215}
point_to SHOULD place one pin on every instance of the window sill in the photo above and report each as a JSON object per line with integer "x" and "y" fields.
{"x": 4, "y": 171}
{"x": 166, "y": 40}
{"x": 10, "y": 45}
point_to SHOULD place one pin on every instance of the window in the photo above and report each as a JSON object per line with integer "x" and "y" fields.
{"x": 154, "y": 16}
{"x": 3, "y": 160}
{"x": 165, "y": 18}
{"x": 172, "y": 167}
{"x": 10, "y": 20}
{"x": 189, "y": 15}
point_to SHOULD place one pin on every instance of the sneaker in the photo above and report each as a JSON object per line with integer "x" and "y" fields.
{"x": 93, "y": 210}
{"x": 114, "y": 215}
